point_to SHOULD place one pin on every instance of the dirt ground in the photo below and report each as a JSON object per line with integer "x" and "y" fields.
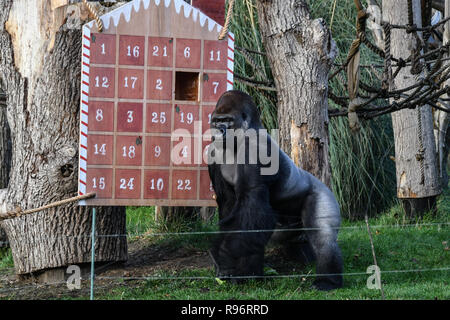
{"x": 144, "y": 260}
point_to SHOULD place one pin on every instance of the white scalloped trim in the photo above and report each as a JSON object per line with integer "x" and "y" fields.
{"x": 126, "y": 10}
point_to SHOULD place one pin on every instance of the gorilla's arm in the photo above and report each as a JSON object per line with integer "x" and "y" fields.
{"x": 241, "y": 254}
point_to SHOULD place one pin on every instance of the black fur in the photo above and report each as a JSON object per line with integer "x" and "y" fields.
{"x": 248, "y": 200}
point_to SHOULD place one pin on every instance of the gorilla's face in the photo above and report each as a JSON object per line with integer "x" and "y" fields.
{"x": 235, "y": 110}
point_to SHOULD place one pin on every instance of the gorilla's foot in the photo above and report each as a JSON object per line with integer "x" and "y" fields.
{"x": 326, "y": 285}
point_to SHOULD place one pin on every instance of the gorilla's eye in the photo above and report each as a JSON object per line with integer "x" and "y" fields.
{"x": 244, "y": 116}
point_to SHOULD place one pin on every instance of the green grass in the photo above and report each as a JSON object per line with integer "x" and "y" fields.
{"x": 398, "y": 246}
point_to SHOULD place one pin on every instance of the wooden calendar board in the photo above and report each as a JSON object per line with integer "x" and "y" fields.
{"x": 156, "y": 68}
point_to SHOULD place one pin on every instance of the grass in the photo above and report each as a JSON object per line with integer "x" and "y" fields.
{"x": 398, "y": 247}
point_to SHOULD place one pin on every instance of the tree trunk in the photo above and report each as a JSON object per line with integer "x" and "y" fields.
{"x": 300, "y": 51}
{"x": 441, "y": 118}
{"x": 415, "y": 157}
{"x": 5, "y": 156}
{"x": 40, "y": 54}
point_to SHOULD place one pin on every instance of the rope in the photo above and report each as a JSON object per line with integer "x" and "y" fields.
{"x": 95, "y": 14}
{"x": 19, "y": 212}
{"x": 224, "y": 31}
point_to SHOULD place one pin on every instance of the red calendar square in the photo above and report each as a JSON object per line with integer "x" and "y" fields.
{"x": 184, "y": 184}
{"x": 157, "y": 151}
{"x": 215, "y": 55}
{"x": 206, "y": 187}
{"x": 100, "y": 149}
{"x": 103, "y": 48}
{"x": 160, "y": 52}
{"x": 188, "y": 53}
{"x": 101, "y": 82}
{"x": 100, "y": 182}
{"x": 128, "y": 184}
{"x": 182, "y": 153}
{"x": 131, "y": 83}
{"x": 186, "y": 116}
{"x": 101, "y": 116}
{"x": 159, "y": 117}
{"x": 129, "y": 150}
{"x": 156, "y": 184}
{"x": 206, "y": 117}
{"x": 131, "y": 50}
{"x": 159, "y": 85}
{"x": 214, "y": 85}
{"x": 129, "y": 117}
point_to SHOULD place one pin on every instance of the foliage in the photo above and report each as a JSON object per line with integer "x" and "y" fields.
{"x": 361, "y": 170}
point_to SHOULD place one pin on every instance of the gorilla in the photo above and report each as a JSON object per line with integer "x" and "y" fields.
{"x": 262, "y": 203}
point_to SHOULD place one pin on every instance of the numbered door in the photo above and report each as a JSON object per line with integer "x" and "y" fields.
{"x": 157, "y": 151}
{"x": 101, "y": 82}
{"x": 159, "y": 117}
{"x": 129, "y": 150}
{"x": 156, "y": 184}
{"x": 100, "y": 182}
{"x": 100, "y": 149}
{"x": 132, "y": 50}
{"x": 159, "y": 85}
{"x": 188, "y": 53}
{"x": 129, "y": 117}
{"x": 103, "y": 48}
{"x": 184, "y": 184}
{"x": 160, "y": 52}
{"x": 128, "y": 184}
{"x": 131, "y": 84}
{"x": 101, "y": 116}
{"x": 214, "y": 85}
{"x": 215, "y": 55}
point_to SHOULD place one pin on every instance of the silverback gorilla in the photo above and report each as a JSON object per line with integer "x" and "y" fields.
{"x": 252, "y": 201}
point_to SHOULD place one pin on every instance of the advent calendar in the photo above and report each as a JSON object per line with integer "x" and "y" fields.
{"x": 150, "y": 81}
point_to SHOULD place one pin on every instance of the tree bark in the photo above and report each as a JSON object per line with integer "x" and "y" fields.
{"x": 5, "y": 156}
{"x": 417, "y": 179}
{"x": 300, "y": 51}
{"x": 40, "y": 54}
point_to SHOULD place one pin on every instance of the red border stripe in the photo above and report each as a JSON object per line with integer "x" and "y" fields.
{"x": 81, "y": 193}
{"x": 84, "y": 134}
{"x": 83, "y": 158}
{"x": 230, "y": 48}
{"x": 85, "y": 83}
{"x": 81, "y": 181}
{"x": 83, "y": 146}
{"x": 86, "y": 47}
{"x": 86, "y": 74}
{"x": 86, "y": 37}
{"x": 84, "y": 102}
{"x": 229, "y": 70}
{"x": 86, "y": 55}
{"x": 83, "y": 170}
{"x": 232, "y": 60}
{"x": 85, "y": 93}
{"x": 84, "y": 112}
{"x": 229, "y": 36}
{"x": 85, "y": 64}
{"x": 230, "y": 82}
